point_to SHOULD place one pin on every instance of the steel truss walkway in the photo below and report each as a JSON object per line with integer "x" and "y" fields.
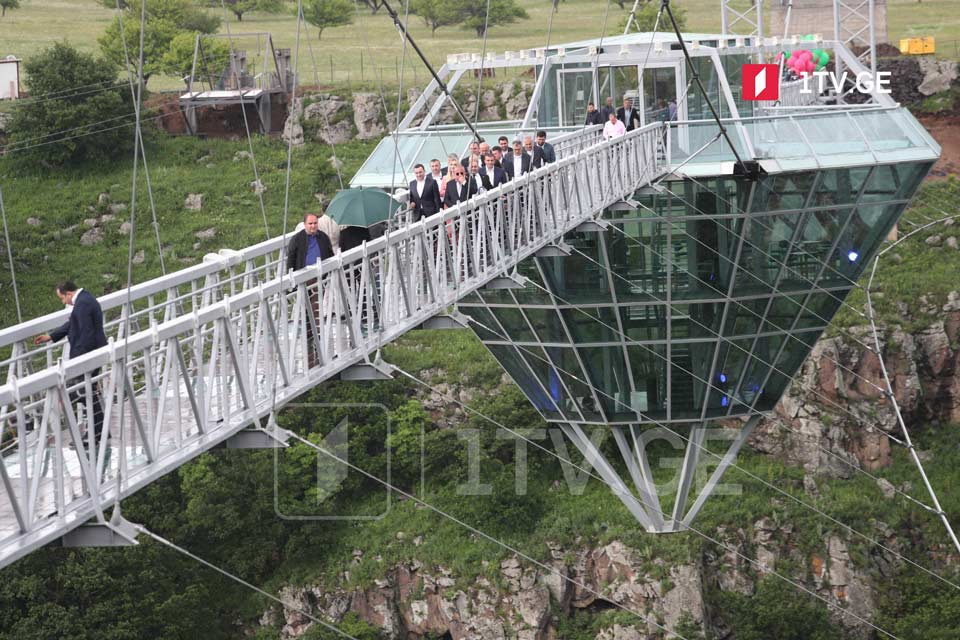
{"x": 215, "y": 348}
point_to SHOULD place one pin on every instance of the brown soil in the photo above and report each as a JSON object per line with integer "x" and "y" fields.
{"x": 946, "y": 131}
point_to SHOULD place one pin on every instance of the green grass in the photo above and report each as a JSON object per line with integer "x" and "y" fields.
{"x": 914, "y": 268}
{"x": 63, "y": 199}
{"x": 370, "y": 49}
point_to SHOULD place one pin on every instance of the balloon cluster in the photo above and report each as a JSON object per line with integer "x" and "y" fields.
{"x": 806, "y": 61}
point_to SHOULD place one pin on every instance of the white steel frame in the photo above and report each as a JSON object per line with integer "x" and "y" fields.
{"x": 202, "y": 366}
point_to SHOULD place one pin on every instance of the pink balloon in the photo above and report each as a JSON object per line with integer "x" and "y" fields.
{"x": 810, "y": 66}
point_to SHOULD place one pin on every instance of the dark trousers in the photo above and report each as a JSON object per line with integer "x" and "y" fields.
{"x": 312, "y": 318}
{"x": 79, "y": 396}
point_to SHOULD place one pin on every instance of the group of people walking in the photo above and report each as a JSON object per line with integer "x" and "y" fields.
{"x": 618, "y": 121}
{"x": 483, "y": 168}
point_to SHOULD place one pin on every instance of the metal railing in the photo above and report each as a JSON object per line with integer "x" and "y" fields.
{"x": 229, "y": 341}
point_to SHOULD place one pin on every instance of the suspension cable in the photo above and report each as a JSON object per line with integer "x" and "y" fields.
{"x": 281, "y": 265}
{"x": 483, "y": 61}
{"x": 648, "y": 419}
{"x": 405, "y": 36}
{"x": 731, "y": 341}
{"x": 128, "y": 313}
{"x": 821, "y": 262}
{"x": 13, "y": 271}
{"x": 477, "y": 532}
{"x": 891, "y": 396}
{"x": 436, "y": 78}
{"x": 703, "y": 91}
{"x": 239, "y": 580}
{"x": 551, "y": 569}
{"x": 258, "y": 189}
{"x": 139, "y": 139}
{"x": 757, "y": 278}
{"x": 323, "y": 112}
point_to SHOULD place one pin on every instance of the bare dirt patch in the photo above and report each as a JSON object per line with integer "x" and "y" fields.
{"x": 946, "y": 131}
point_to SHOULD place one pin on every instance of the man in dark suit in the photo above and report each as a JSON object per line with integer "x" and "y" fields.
{"x": 424, "y": 194}
{"x": 593, "y": 116}
{"x": 460, "y": 190}
{"x": 309, "y": 246}
{"x": 628, "y": 116}
{"x": 517, "y": 163}
{"x": 607, "y": 109}
{"x": 492, "y": 175}
{"x": 473, "y": 150}
{"x": 546, "y": 152}
{"x": 84, "y": 331}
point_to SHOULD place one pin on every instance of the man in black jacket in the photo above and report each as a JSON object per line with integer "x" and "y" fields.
{"x": 628, "y": 116}
{"x": 84, "y": 331}
{"x": 517, "y": 163}
{"x": 460, "y": 190}
{"x": 309, "y": 246}
{"x": 593, "y": 116}
{"x": 424, "y": 194}
{"x": 492, "y": 175}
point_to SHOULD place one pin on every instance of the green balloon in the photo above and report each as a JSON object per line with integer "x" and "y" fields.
{"x": 786, "y": 55}
{"x": 825, "y": 58}
{"x": 809, "y": 36}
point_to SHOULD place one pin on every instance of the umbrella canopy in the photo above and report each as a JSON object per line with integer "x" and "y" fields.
{"x": 361, "y": 207}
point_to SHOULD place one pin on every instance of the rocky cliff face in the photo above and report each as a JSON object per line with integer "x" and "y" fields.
{"x": 414, "y": 601}
{"x": 838, "y": 400}
{"x": 836, "y": 403}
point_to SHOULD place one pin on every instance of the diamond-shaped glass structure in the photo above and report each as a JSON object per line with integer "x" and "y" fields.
{"x": 696, "y": 299}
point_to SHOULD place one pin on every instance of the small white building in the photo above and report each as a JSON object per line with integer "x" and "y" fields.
{"x": 10, "y": 78}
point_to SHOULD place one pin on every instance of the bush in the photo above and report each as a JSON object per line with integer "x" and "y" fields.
{"x": 78, "y": 119}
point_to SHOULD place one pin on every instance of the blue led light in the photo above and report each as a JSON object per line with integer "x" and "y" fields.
{"x": 852, "y": 256}
{"x": 723, "y": 377}
{"x": 723, "y": 401}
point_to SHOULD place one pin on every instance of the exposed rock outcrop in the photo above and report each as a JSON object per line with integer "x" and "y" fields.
{"x": 838, "y": 400}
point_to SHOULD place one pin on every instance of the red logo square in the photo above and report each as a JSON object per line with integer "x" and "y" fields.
{"x": 761, "y": 82}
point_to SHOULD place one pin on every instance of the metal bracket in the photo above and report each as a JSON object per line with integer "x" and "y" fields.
{"x": 593, "y": 226}
{"x": 254, "y": 438}
{"x": 120, "y": 532}
{"x": 511, "y": 281}
{"x": 367, "y": 371}
{"x": 556, "y": 250}
{"x": 624, "y": 205}
{"x": 455, "y": 320}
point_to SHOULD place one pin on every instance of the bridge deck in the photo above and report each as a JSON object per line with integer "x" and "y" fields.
{"x": 214, "y": 348}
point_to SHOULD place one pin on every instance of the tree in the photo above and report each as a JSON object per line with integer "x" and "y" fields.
{"x": 69, "y": 120}
{"x": 240, "y": 7}
{"x": 178, "y": 60}
{"x": 501, "y": 12}
{"x": 8, "y": 4}
{"x": 328, "y": 13}
{"x": 373, "y": 5}
{"x": 166, "y": 19}
{"x": 436, "y": 13}
{"x": 646, "y": 18}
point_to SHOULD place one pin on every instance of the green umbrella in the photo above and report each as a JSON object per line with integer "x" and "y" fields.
{"x": 361, "y": 207}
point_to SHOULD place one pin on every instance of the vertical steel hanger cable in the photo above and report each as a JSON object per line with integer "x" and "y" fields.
{"x": 139, "y": 137}
{"x": 13, "y": 272}
{"x": 246, "y": 124}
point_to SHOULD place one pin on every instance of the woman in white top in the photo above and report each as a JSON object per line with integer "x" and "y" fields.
{"x": 613, "y": 128}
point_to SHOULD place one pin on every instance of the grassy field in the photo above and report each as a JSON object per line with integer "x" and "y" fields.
{"x": 362, "y": 53}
